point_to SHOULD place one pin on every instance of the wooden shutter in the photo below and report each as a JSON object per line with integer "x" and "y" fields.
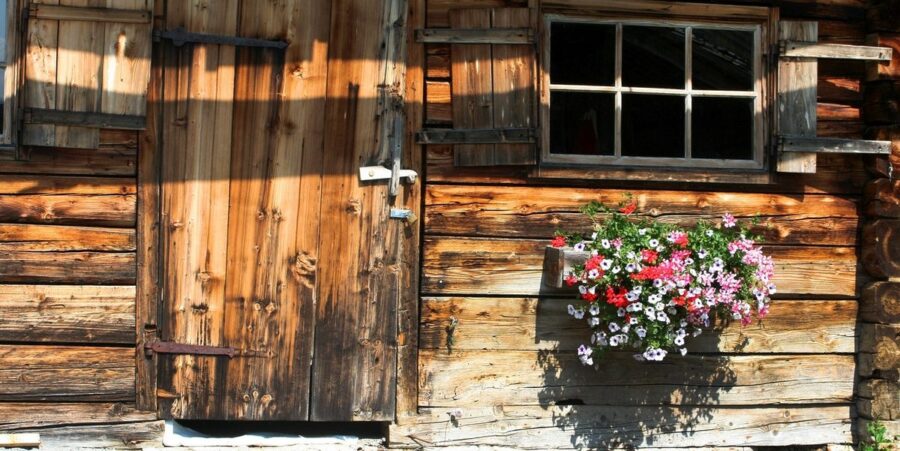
{"x": 796, "y": 102}
{"x": 86, "y": 68}
{"x": 493, "y": 95}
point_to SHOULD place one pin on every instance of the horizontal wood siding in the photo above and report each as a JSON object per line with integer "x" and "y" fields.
{"x": 497, "y": 363}
{"x": 67, "y": 273}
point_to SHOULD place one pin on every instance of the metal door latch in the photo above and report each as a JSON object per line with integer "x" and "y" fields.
{"x": 404, "y": 214}
{"x": 369, "y": 173}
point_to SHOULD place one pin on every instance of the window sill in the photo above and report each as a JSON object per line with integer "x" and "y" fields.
{"x": 655, "y": 174}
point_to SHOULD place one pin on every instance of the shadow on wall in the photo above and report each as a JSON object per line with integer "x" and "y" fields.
{"x": 624, "y": 403}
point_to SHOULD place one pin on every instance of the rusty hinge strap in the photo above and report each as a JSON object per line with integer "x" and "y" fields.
{"x": 179, "y": 37}
{"x": 170, "y": 347}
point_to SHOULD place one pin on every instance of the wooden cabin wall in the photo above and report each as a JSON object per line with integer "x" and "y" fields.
{"x": 497, "y": 363}
{"x": 67, "y": 294}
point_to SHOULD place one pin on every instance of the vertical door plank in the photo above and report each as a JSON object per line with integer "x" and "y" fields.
{"x": 196, "y": 197}
{"x": 796, "y": 99}
{"x": 513, "y": 87}
{"x": 472, "y": 87}
{"x": 355, "y": 356}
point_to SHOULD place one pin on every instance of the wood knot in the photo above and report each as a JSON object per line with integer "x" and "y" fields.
{"x": 303, "y": 269}
{"x": 200, "y": 308}
{"x": 353, "y": 207}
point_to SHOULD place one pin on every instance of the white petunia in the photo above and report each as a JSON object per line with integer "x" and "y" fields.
{"x": 613, "y": 327}
{"x": 654, "y": 242}
{"x": 594, "y": 309}
{"x": 604, "y": 243}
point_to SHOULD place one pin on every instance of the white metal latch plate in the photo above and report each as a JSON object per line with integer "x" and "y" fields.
{"x": 370, "y": 173}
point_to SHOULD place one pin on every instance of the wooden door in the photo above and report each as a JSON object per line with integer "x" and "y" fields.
{"x": 271, "y": 246}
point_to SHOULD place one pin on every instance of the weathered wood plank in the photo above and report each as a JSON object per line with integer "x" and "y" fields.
{"x": 67, "y": 314}
{"x": 107, "y": 161}
{"x": 882, "y": 344}
{"x": 438, "y": 109}
{"x": 89, "y": 14}
{"x": 788, "y": 143}
{"x": 513, "y": 80}
{"x": 83, "y": 119}
{"x": 41, "y": 55}
{"x": 49, "y": 184}
{"x": 130, "y": 435}
{"x": 514, "y": 267}
{"x": 562, "y": 427}
{"x": 20, "y": 440}
{"x": 543, "y": 324}
{"x": 73, "y": 209}
{"x": 796, "y": 97}
{"x": 879, "y": 399}
{"x": 880, "y": 253}
{"x": 537, "y": 212}
{"x": 799, "y": 49}
{"x": 76, "y": 267}
{"x": 30, "y": 237}
{"x": 475, "y": 36}
{"x": 660, "y": 9}
{"x": 460, "y": 136}
{"x": 437, "y": 62}
{"x": 468, "y": 379}
{"x": 359, "y": 248}
{"x": 882, "y": 197}
{"x": 16, "y": 416}
{"x": 66, "y": 373}
{"x": 471, "y": 88}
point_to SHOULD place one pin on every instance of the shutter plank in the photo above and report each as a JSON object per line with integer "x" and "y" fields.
{"x": 89, "y": 14}
{"x": 40, "y": 77}
{"x": 797, "y": 49}
{"x": 472, "y": 87}
{"x": 797, "y": 80}
{"x": 513, "y": 73}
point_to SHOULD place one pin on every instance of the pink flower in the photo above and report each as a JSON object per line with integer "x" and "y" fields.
{"x": 728, "y": 220}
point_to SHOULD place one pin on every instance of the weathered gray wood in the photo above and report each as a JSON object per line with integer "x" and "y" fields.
{"x": 20, "y": 440}
{"x": 481, "y": 378}
{"x": 475, "y": 323}
{"x": 475, "y": 36}
{"x": 559, "y": 262}
{"x": 67, "y": 314}
{"x": 796, "y": 97}
{"x": 882, "y": 343}
{"x": 130, "y": 435}
{"x": 17, "y": 416}
{"x": 476, "y": 136}
{"x": 790, "y": 143}
{"x": 799, "y": 49}
{"x": 878, "y": 399}
{"x": 562, "y": 427}
{"x": 90, "y": 14}
{"x": 84, "y": 119}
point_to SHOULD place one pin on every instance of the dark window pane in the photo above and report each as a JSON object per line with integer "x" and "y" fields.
{"x": 723, "y": 59}
{"x": 581, "y": 123}
{"x": 582, "y": 54}
{"x": 722, "y": 128}
{"x": 653, "y": 57}
{"x": 652, "y": 125}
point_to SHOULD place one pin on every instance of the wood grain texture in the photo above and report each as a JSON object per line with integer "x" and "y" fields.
{"x": 30, "y": 237}
{"x": 880, "y": 303}
{"x": 543, "y": 325}
{"x": 472, "y": 87}
{"x": 879, "y": 399}
{"x": 796, "y": 97}
{"x": 880, "y": 253}
{"x": 67, "y": 314}
{"x": 359, "y": 251}
{"x": 507, "y": 211}
{"x": 68, "y": 267}
{"x": 16, "y": 416}
{"x": 74, "y": 209}
{"x": 66, "y": 373}
{"x": 514, "y": 267}
{"x": 882, "y": 198}
{"x": 513, "y": 79}
{"x": 562, "y": 427}
{"x": 468, "y": 379}
{"x": 128, "y": 435}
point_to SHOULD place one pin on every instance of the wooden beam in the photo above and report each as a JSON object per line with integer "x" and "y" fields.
{"x": 180, "y": 37}
{"x": 84, "y": 119}
{"x": 813, "y": 144}
{"x": 800, "y": 49}
{"x": 476, "y": 136}
{"x": 475, "y": 36}
{"x": 88, "y": 14}
{"x": 20, "y": 440}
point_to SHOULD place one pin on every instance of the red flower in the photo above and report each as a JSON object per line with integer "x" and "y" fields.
{"x": 571, "y": 280}
{"x": 588, "y": 296}
{"x": 558, "y": 241}
{"x": 628, "y": 209}
{"x": 593, "y": 262}
{"x": 682, "y": 240}
{"x": 649, "y": 256}
{"x": 616, "y": 298}
{"x": 652, "y": 273}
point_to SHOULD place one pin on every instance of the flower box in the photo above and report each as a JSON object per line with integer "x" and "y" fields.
{"x": 559, "y": 261}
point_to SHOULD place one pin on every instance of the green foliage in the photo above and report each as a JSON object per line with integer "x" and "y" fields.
{"x": 879, "y": 440}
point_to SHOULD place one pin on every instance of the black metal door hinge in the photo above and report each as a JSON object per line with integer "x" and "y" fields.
{"x": 170, "y": 347}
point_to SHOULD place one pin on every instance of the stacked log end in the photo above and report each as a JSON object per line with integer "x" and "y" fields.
{"x": 878, "y": 392}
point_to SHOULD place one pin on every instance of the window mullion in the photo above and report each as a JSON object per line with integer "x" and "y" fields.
{"x": 688, "y": 86}
{"x": 617, "y": 133}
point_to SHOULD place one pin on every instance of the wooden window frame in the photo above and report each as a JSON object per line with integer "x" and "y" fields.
{"x": 763, "y": 20}
{"x": 11, "y": 76}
